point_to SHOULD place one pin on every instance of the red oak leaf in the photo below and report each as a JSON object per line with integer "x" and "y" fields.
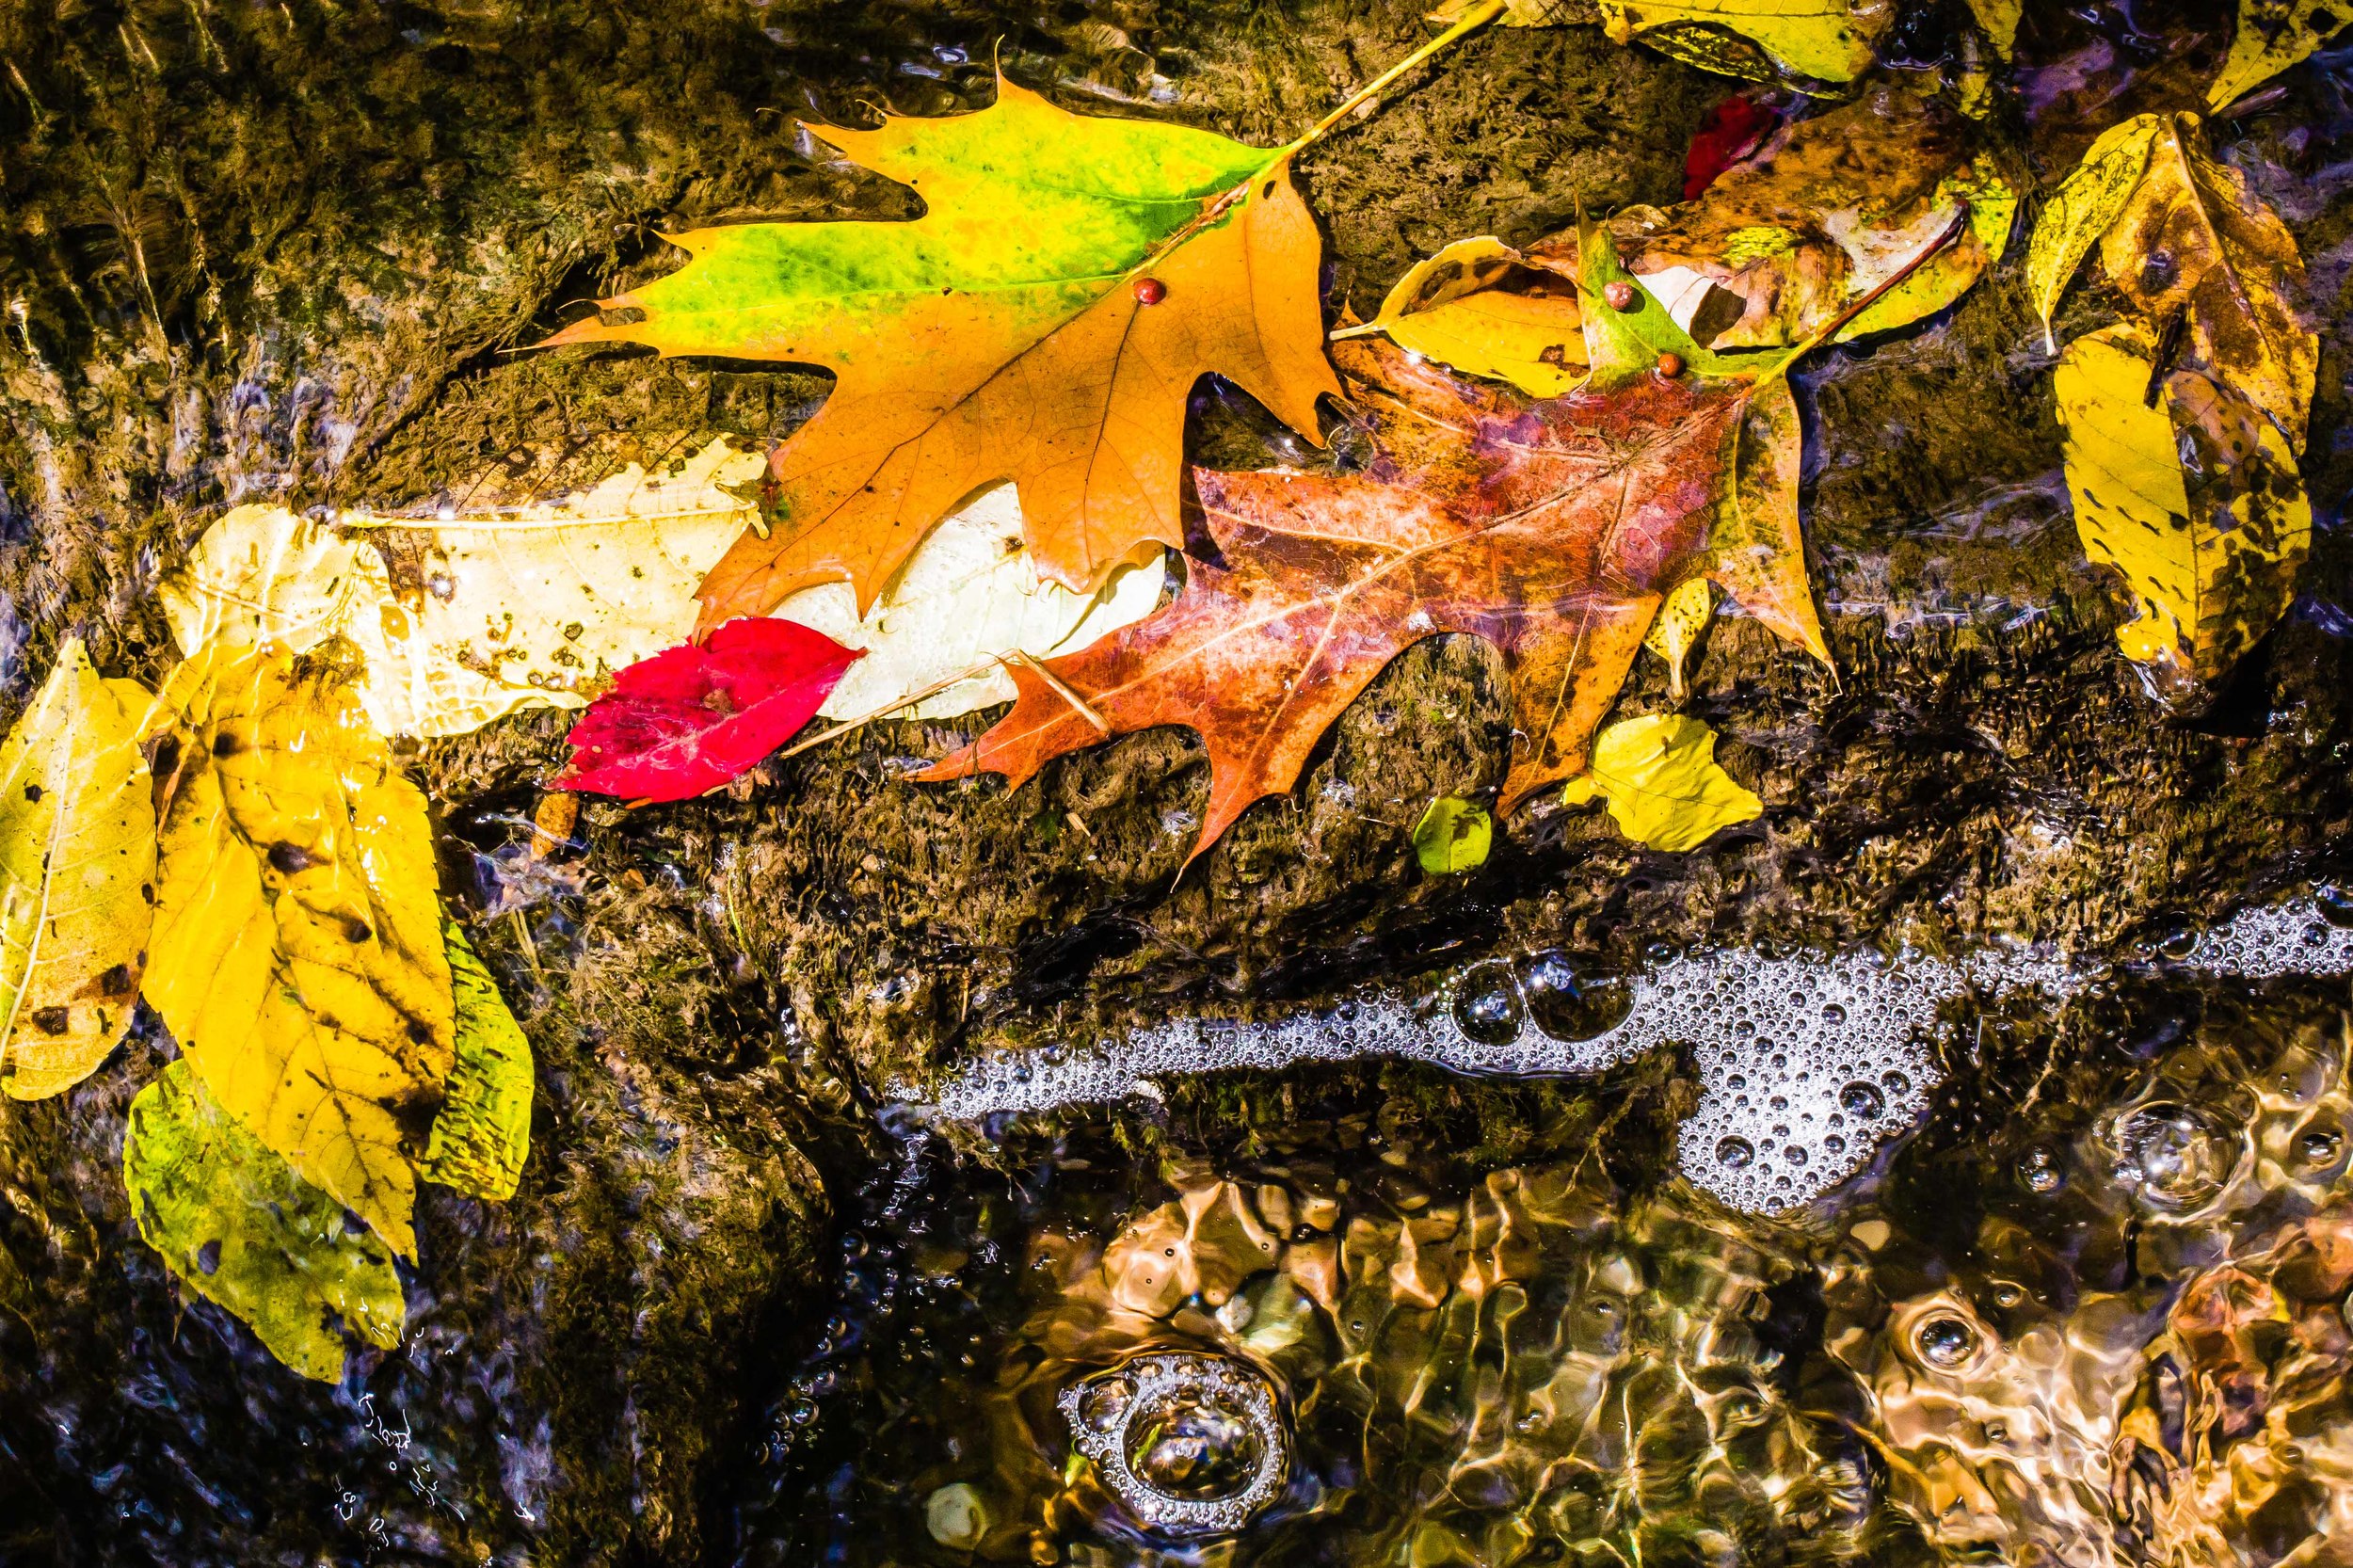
{"x": 1553, "y": 529}
{"x": 687, "y": 720}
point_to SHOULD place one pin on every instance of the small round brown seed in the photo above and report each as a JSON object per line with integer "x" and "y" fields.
{"x": 1622, "y": 295}
{"x": 1150, "y": 290}
{"x": 1671, "y": 365}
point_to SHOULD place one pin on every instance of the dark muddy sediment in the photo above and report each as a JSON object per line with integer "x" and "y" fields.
{"x": 280, "y": 254}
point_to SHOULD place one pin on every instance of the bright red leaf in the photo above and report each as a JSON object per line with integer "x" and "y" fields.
{"x": 1732, "y": 131}
{"x": 687, "y": 720}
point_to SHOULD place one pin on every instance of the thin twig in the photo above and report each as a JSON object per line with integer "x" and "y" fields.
{"x": 1062, "y": 689}
{"x": 863, "y": 719}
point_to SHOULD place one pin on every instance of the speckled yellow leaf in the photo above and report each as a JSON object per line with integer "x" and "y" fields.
{"x": 1998, "y": 21}
{"x": 1681, "y": 620}
{"x": 485, "y": 615}
{"x": 1460, "y": 308}
{"x": 2196, "y": 501}
{"x": 484, "y": 1131}
{"x": 2273, "y": 35}
{"x": 2195, "y": 242}
{"x": 77, "y": 871}
{"x": 1664, "y": 785}
{"x": 241, "y": 1229}
{"x": 2081, "y": 210}
{"x": 1821, "y": 40}
{"x": 297, "y": 955}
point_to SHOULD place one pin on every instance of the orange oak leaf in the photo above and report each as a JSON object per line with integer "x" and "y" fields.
{"x": 1042, "y": 321}
{"x": 1554, "y": 529}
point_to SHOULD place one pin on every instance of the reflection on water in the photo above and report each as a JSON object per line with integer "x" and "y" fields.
{"x": 2100, "y": 1322}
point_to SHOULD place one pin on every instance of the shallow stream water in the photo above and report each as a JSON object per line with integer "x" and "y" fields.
{"x": 2066, "y": 1284}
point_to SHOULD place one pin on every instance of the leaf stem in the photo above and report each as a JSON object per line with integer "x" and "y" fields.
{"x": 863, "y": 719}
{"x": 1471, "y": 22}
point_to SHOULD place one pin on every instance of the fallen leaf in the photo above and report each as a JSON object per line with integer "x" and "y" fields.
{"x": 529, "y": 607}
{"x": 1681, "y": 620}
{"x": 1811, "y": 40}
{"x": 1733, "y": 129}
{"x": 2082, "y": 209}
{"x": 1453, "y": 835}
{"x": 235, "y": 1224}
{"x": 1665, "y": 790}
{"x": 2273, "y": 35}
{"x": 1826, "y": 211}
{"x": 484, "y": 1131}
{"x": 686, "y": 721}
{"x": 2195, "y": 499}
{"x": 999, "y": 337}
{"x": 1478, "y": 307}
{"x": 1521, "y": 13}
{"x": 2195, "y": 242}
{"x": 297, "y": 954}
{"x": 1552, "y": 529}
{"x": 77, "y": 873}
{"x": 1998, "y": 21}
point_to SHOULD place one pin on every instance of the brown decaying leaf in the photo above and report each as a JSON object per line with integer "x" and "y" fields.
{"x": 1552, "y": 529}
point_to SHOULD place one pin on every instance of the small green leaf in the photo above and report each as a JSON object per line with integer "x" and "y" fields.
{"x": 1662, "y": 783}
{"x": 1454, "y": 835}
{"x": 484, "y": 1130}
{"x": 239, "y": 1228}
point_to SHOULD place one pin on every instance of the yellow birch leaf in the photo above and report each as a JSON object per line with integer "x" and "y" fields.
{"x": 1681, "y": 620}
{"x": 2273, "y": 35}
{"x": 1819, "y": 40}
{"x": 484, "y": 1131}
{"x": 1660, "y": 778}
{"x": 526, "y": 608}
{"x": 2081, "y": 210}
{"x": 77, "y": 873}
{"x": 2193, "y": 242}
{"x": 2196, "y": 501}
{"x": 241, "y": 1229}
{"x": 1460, "y": 309}
{"x": 297, "y": 955}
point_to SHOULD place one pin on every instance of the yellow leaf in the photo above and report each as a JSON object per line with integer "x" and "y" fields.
{"x": 1821, "y": 40}
{"x": 489, "y": 614}
{"x": 241, "y": 1229}
{"x": 1467, "y": 308}
{"x": 1681, "y": 620}
{"x": 2195, "y": 242}
{"x": 2196, "y": 501}
{"x": 484, "y": 1131}
{"x": 1998, "y": 21}
{"x": 2081, "y": 210}
{"x": 77, "y": 871}
{"x": 1660, "y": 778}
{"x": 2272, "y": 36}
{"x": 297, "y": 955}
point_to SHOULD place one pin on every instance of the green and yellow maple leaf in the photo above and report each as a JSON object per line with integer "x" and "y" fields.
{"x": 1001, "y": 336}
{"x": 77, "y": 871}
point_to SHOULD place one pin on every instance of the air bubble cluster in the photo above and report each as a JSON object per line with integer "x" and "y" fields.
{"x": 1807, "y": 1065}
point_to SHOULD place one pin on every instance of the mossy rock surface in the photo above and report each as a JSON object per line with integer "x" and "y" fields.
{"x": 285, "y": 252}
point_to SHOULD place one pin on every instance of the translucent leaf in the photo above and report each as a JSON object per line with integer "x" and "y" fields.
{"x": 1664, "y": 785}
{"x": 1453, "y": 835}
{"x": 483, "y": 1133}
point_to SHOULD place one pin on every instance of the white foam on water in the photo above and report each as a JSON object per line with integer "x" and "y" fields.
{"x": 1807, "y": 1065}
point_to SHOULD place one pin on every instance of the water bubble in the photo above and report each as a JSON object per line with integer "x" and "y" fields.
{"x": 1195, "y": 1444}
{"x": 1945, "y": 1341}
{"x": 2319, "y": 1149}
{"x": 1832, "y": 1014}
{"x": 1896, "y": 1083}
{"x": 1861, "y": 1101}
{"x": 2038, "y": 1171}
{"x": 2335, "y": 906}
{"x": 1487, "y": 1004}
{"x": 1568, "y": 1008}
{"x": 2173, "y": 1156}
{"x": 1734, "y": 1153}
{"x": 1795, "y": 1154}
